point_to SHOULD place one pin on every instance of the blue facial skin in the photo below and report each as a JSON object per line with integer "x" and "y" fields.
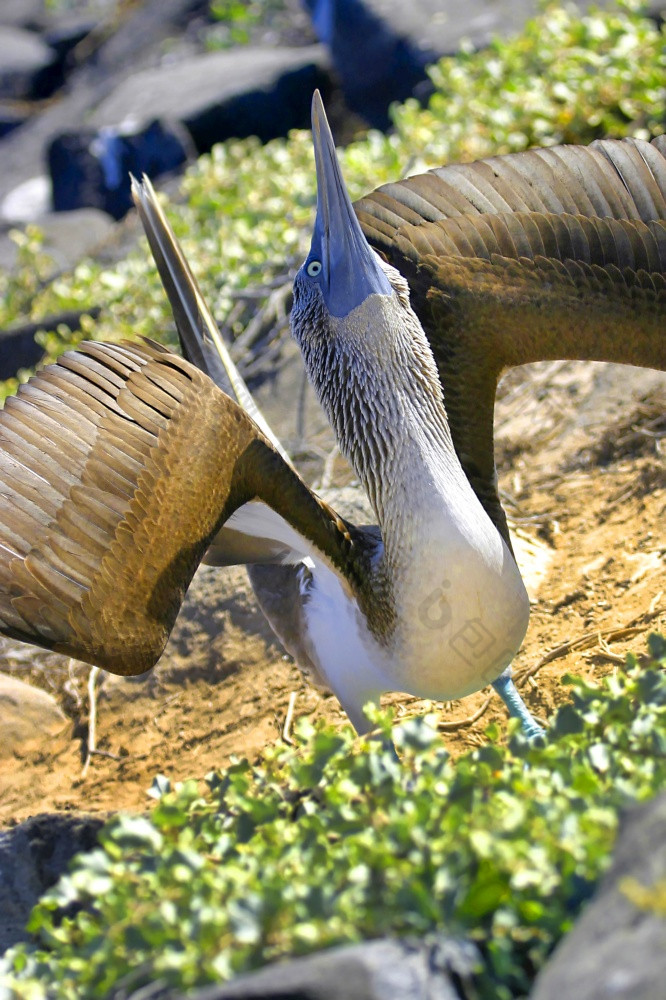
{"x": 340, "y": 258}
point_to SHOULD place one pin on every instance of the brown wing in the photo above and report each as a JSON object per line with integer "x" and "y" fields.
{"x": 118, "y": 465}
{"x": 200, "y": 339}
{"x": 620, "y": 179}
{"x": 550, "y": 253}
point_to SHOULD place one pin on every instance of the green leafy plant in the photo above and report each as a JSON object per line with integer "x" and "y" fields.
{"x": 33, "y": 267}
{"x": 338, "y": 841}
{"x": 236, "y": 20}
{"x": 564, "y": 78}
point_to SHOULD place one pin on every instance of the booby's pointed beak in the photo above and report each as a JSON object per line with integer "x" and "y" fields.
{"x": 350, "y": 269}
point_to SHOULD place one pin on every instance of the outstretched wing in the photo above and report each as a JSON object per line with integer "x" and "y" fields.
{"x": 200, "y": 339}
{"x": 551, "y": 253}
{"x": 618, "y": 179}
{"x": 256, "y": 537}
{"x": 255, "y": 534}
{"x": 118, "y": 465}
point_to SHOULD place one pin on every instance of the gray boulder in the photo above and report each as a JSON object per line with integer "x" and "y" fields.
{"x": 156, "y": 118}
{"x": 21, "y": 13}
{"x": 617, "y": 950}
{"x": 217, "y": 95}
{"x": 140, "y": 31}
{"x": 26, "y": 64}
{"x": 33, "y": 856}
{"x": 68, "y": 238}
{"x": 376, "y": 970}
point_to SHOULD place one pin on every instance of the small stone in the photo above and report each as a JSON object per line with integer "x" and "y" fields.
{"x": 26, "y": 713}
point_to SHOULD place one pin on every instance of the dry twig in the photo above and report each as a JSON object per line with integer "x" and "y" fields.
{"x": 587, "y": 641}
{"x": 92, "y": 718}
{"x": 274, "y": 313}
{"x": 286, "y": 729}
{"x": 451, "y": 727}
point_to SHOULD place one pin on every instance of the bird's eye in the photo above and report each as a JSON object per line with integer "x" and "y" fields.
{"x": 314, "y": 268}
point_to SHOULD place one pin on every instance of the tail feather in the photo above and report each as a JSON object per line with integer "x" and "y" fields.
{"x": 199, "y": 336}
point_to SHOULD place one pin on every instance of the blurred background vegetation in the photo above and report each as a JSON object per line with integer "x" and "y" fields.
{"x": 247, "y": 209}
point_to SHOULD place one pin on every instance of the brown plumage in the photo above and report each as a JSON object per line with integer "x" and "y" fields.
{"x": 118, "y": 466}
{"x": 555, "y": 253}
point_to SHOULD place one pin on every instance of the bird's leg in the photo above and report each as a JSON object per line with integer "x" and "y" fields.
{"x": 508, "y": 692}
{"x": 385, "y": 743}
{"x": 366, "y": 729}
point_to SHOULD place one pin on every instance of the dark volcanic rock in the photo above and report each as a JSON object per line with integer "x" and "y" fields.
{"x": 32, "y": 858}
{"x": 18, "y": 347}
{"x": 380, "y": 48}
{"x": 158, "y": 117}
{"x": 92, "y": 168}
{"x": 11, "y": 116}
{"x": 217, "y": 95}
{"x": 617, "y": 950}
{"x": 65, "y": 36}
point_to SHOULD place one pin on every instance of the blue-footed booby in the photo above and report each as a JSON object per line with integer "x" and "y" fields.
{"x": 123, "y": 466}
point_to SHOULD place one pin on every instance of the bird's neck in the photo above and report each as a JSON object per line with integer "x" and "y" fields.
{"x": 420, "y": 493}
{"x": 445, "y": 603}
{"x": 389, "y": 415}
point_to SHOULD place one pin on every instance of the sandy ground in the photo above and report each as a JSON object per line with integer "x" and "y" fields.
{"x": 583, "y": 470}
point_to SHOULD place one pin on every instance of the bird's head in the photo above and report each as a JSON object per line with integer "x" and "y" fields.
{"x": 363, "y": 346}
{"x": 341, "y": 266}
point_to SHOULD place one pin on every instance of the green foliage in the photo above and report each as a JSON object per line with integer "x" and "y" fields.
{"x": 338, "y": 841}
{"x": 236, "y": 19}
{"x": 250, "y": 208}
{"x": 60, "y": 6}
{"x": 651, "y": 899}
{"x": 565, "y": 78}
{"x": 19, "y": 287}
{"x": 243, "y": 22}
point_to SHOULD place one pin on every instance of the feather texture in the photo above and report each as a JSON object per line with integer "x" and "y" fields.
{"x": 555, "y": 253}
{"x": 118, "y": 466}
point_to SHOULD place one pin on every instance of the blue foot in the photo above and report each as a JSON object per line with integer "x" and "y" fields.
{"x": 508, "y": 692}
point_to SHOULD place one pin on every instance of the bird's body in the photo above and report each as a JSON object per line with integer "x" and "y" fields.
{"x": 446, "y": 587}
